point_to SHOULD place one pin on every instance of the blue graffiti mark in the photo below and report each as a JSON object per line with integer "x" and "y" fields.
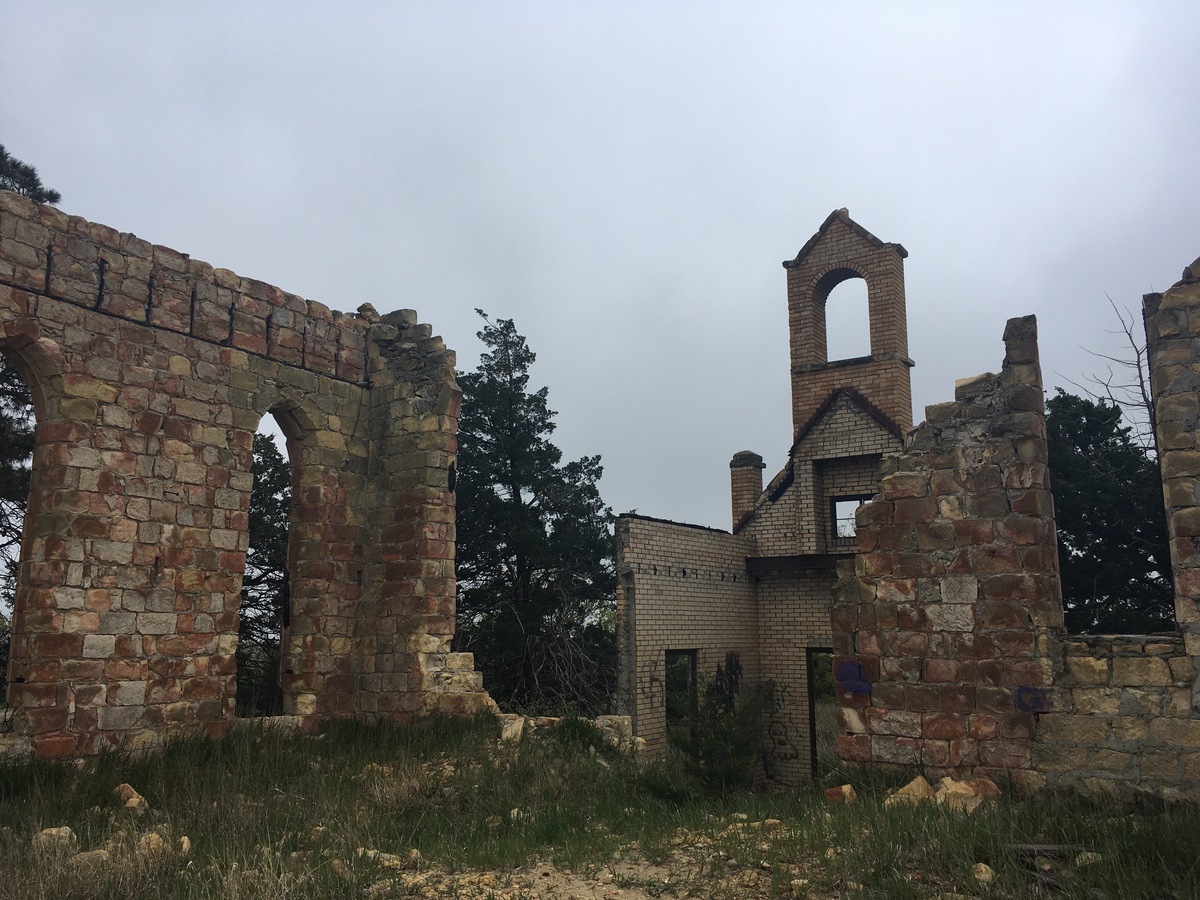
{"x": 851, "y": 678}
{"x": 1032, "y": 699}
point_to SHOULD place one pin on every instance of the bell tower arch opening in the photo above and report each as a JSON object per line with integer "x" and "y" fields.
{"x": 840, "y": 270}
{"x": 842, "y": 297}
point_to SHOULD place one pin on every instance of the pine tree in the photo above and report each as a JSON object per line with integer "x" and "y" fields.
{"x": 1113, "y": 550}
{"x": 265, "y": 598}
{"x": 534, "y": 547}
{"x": 23, "y": 179}
{"x": 16, "y": 455}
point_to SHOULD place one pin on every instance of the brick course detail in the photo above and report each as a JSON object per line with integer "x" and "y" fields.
{"x": 151, "y": 373}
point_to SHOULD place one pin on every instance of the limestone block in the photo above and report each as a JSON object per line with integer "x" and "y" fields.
{"x": 1160, "y": 765}
{"x": 1183, "y": 669}
{"x": 1113, "y": 761}
{"x": 1083, "y": 730}
{"x": 1179, "y": 703}
{"x": 1056, "y": 758}
{"x": 1189, "y": 763}
{"x": 959, "y": 589}
{"x": 853, "y": 721}
{"x": 952, "y": 617}
{"x": 894, "y": 722}
{"x": 889, "y": 749}
{"x": 1141, "y": 671}
{"x": 1181, "y": 733}
{"x": 1092, "y": 701}
{"x": 119, "y": 718}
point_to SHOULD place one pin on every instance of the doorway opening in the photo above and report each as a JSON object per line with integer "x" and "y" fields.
{"x": 824, "y": 712}
{"x": 680, "y": 699}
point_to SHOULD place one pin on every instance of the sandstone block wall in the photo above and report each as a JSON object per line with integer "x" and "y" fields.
{"x": 1122, "y": 715}
{"x": 946, "y": 631}
{"x": 949, "y": 630}
{"x": 151, "y": 373}
{"x": 1172, "y": 324}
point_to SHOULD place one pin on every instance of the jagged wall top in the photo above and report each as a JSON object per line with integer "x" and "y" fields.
{"x": 49, "y": 253}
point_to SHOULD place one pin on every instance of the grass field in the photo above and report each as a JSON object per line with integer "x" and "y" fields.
{"x": 445, "y": 810}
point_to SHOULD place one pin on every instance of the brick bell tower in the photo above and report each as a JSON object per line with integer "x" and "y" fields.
{"x": 842, "y": 249}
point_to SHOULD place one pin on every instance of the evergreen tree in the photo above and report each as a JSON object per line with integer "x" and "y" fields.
{"x": 265, "y": 598}
{"x": 22, "y": 178}
{"x": 535, "y": 572}
{"x": 16, "y": 455}
{"x": 16, "y": 430}
{"x": 1114, "y": 555}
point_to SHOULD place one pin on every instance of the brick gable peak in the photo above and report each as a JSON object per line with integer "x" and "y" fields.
{"x": 841, "y": 215}
{"x": 859, "y": 400}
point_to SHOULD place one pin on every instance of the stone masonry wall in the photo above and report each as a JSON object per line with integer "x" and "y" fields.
{"x": 950, "y": 648}
{"x": 1172, "y": 324}
{"x": 1125, "y": 708}
{"x": 946, "y": 632}
{"x": 151, "y": 373}
{"x": 1121, "y": 715}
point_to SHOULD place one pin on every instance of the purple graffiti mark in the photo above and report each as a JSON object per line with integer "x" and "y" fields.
{"x": 1032, "y": 699}
{"x": 851, "y": 678}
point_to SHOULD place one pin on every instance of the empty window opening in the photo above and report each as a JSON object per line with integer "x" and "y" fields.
{"x": 844, "y": 510}
{"x": 17, "y": 444}
{"x": 680, "y": 690}
{"x": 824, "y": 712}
{"x": 847, "y": 321}
{"x": 266, "y": 597}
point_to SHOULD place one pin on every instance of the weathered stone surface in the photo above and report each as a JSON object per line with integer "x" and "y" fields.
{"x": 1134, "y": 671}
{"x": 842, "y": 794}
{"x": 972, "y": 570}
{"x": 912, "y": 793}
{"x": 1087, "y": 670}
{"x": 152, "y": 382}
{"x": 60, "y": 840}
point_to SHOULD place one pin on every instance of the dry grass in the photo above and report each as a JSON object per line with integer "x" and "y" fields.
{"x": 446, "y": 811}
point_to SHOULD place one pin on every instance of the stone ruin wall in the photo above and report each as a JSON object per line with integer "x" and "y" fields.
{"x": 945, "y": 633}
{"x": 151, "y": 373}
{"x": 951, "y": 650}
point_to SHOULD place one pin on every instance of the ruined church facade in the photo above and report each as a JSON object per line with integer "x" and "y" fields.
{"x": 150, "y": 373}
{"x": 943, "y": 613}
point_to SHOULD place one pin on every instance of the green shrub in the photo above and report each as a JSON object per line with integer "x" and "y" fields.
{"x": 727, "y": 735}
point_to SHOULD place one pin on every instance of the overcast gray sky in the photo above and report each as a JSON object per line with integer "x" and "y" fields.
{"x": 624, "y": 179}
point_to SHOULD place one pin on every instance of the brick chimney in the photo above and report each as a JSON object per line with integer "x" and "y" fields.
{"x": 745, "y": 480}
